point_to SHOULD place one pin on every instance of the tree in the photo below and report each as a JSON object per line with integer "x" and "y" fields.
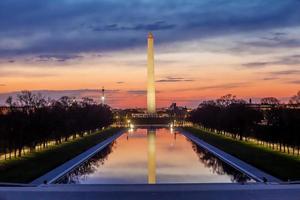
{"x": 276, "y": 125}
{"x": 9, "y": 101}
{"x": 36, "y": 121}
{"x": 226, "y": 100}
{"x": 295, "y": 99}
{"x": 270, "y": 101}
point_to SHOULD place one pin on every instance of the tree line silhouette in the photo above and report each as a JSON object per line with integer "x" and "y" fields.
{"x": 33, "y": 121}
{"x": 269, "y": 123}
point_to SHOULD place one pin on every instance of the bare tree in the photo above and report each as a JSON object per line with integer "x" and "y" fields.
{"x": 295, "y": 99}
{"x": 270, "y": 101}
{"x": 9, "y": 101}
{"x": 229, "y": 99}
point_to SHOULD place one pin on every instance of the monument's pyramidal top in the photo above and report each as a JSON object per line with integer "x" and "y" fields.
{"x": 150, "y": 35}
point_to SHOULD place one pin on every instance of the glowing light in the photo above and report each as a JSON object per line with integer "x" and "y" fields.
{"x": 131, "y": 126}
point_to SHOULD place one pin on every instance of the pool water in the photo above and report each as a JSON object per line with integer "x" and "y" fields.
{"x": 153, "y": 156}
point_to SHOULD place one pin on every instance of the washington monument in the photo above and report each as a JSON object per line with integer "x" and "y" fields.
{"x": 151, "y": 107}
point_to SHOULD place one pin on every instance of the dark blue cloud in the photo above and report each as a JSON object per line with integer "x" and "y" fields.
{"x": 274, "y": 43}
{"x": 293, "y": 60}
{"x": 57, "y": 57}
{"x": 159, "y": 25}
{"x": 71, "y": 27}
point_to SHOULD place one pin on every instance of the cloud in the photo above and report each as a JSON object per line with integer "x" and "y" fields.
{"x": 57, "y": 57}
{"x": 159, "y": 25}
{"x": 73, "y": 27}
{"x": 120, "y": 82}
{"x": 26, "y": 74}
{"x": 274, "y": 43}
{"x": 2, "y": 85}
{"x": 275, "y": 36}
{"x": 256, "y": 64}
{"x": 263, "y": 42}
{"x": 294, "y": 82}
{"x": 285, "y": 72}
{"x": 289, "y": 60}
{"x": 285, "y": 60}
{"x": 137, "y": 92}
{"x": 170, "y": 79}
{"x": 224, "y": 86}
{"x": 270, "y": 78}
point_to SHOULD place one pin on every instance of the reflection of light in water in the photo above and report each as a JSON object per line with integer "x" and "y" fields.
{"x": 151, "y": 156}
{"x": 130, "y": 130}
{"x": 172, "y": 130}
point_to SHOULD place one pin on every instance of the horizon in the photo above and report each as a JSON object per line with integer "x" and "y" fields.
{"x": 72, "y": 49}
{"x": 78, "y": 94}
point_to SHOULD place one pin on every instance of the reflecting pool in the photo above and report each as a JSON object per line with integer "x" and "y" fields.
{"x": 153, "y": 156}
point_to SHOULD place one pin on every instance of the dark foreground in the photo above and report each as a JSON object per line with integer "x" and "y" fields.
{"x": 177, "y": 191}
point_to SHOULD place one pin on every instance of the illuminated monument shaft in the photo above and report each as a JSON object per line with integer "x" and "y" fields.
{"x": 151, "y": 107}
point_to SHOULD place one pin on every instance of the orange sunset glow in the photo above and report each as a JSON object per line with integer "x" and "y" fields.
{"x": 191, "y": 65}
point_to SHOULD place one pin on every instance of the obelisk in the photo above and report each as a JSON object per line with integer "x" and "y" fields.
{"x": 151, "y": 108}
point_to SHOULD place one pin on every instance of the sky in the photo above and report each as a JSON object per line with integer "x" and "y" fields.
{"x": 203, "y": 49}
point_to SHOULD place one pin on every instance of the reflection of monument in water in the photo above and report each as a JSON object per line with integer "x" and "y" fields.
{"x": 151, "y": 134}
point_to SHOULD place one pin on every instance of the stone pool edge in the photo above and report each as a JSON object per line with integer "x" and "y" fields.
{"x": 66, "y": 167}
{"x": 236, "y": 163}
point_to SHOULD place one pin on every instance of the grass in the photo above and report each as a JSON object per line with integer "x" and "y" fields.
{"x": 31, "y": 166}
{"x": 285, "y": 167}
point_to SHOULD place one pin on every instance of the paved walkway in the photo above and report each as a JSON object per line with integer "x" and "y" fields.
{"x": 173, "y": 192}
{"x": 56, "y": 173}
{"x": 251, "y": 171}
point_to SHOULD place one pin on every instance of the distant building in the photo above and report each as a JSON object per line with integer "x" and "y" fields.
{"x": 146, "y": 115}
